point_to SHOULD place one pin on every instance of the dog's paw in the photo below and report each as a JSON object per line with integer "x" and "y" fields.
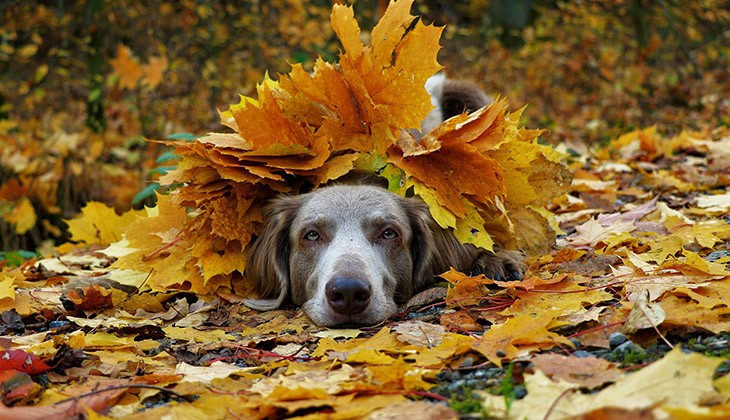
{"x": 500, "y": 266}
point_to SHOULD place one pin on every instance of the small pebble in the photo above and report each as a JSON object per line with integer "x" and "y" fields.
{"x": 582, "y": 353}
{"x": 616, "y": 339}
{"x": 472, "y": 383}
{"x": 491, "y": 382}
{"x": 601, "y": 353}
{"x": 57, "y": 324}
{"x": 719, "y": 344}
{"x": 449, "y": 375}
{"x": 501, "y": 353}
{"x": 494, "y": 371}
{"x": 626, "y": 347}
{"x": 519, "y": 392}
{"x": 714, "y": 256}
{"x": 468, "y": 362}
{"x": 576, "y": 343}
{"x": 454, "y": 386}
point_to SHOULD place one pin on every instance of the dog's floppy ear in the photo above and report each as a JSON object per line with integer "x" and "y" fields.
{"x": 268, "y": 259}
{"x": 435, "y": 250}
{"x": 423, "y": 247}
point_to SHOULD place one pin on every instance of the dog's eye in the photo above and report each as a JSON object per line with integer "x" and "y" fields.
{"x": 312, "y": 235}
{"x": 389, "y": 234}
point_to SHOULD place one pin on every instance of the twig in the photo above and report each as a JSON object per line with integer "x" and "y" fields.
{"x": 555, "y": 403}
{"x": 648, "y": 318}
{"x": 590, "y": 330}
{"x": 187, "y": 398}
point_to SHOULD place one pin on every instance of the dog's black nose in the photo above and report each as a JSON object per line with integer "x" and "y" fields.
{"x": 348, "y": 295}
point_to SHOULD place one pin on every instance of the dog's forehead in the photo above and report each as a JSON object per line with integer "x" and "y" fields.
{"x": 352, "y": 201}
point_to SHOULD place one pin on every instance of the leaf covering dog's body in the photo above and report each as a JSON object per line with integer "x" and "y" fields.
{"x": 349, "y": 254}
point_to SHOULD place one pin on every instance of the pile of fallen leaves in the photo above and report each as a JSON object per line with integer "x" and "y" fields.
{"x": 149, "y": 327}
{"x": 310, "y": 128}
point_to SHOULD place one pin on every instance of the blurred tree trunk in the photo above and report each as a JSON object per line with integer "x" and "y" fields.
{"x": 94, "y": 23}
{"x": 638, "y": 17}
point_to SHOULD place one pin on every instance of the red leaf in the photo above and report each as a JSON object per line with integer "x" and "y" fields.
{"x": 22, "y": 362}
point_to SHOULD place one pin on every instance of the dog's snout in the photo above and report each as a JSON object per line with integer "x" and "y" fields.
{"x": 347, "y": 295}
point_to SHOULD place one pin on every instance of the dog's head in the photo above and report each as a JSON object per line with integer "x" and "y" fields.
{"x": 348, "y": 254}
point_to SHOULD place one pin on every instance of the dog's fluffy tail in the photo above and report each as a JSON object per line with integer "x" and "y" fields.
{"x": 451, "y": 98}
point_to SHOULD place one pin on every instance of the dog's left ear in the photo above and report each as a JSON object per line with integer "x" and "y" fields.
{"x": 268, "y": 260}
{"x": 423, "y": 246}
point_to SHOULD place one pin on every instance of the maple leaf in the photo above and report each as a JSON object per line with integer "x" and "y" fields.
{"x": 22, "y": 215}
{"x": 21, "y": 361}
{"x": 127, "y": 67}
{"x": 466, "y": 290}
{"x": 130, "y": 72}
{"x": 99, "y": 224}
{"x": 507, "y": 183}
{"x": 518, "y": 336}
{"x": 154, "y": 71}
{"x": 644, "y": 314}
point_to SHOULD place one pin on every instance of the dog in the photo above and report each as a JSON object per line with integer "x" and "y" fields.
{"x": 350, "y": 253}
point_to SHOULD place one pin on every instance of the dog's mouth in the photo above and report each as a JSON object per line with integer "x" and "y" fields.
{"x": 322, "y": 314}
{"x": 350, "y": 324}
{"x": 334, "y": 320}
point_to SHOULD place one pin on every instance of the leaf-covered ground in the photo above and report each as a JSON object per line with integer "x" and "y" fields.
{"x": 625, "y": 315}
{"x": 644, "y": 253}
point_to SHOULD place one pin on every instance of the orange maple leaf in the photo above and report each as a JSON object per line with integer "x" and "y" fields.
{"x": 127, "y": 67}
{"x": 131, "y": 72}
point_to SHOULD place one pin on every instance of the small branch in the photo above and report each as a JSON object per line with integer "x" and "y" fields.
{"x": 648, "y": 318}
{"x": 555, "y": 403}
{"x": 118, "y": 387}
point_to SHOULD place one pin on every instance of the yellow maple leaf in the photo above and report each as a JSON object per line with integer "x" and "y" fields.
{"x": 22, "y": 216}
{"x": 446, "y": 173}
{"x": 501, "y": 193}
{"x": 7, "y": 288}
{"x": 397, "y": 376}
{"x": 154, "y": 71}
{"x": 680, "y": 312}
{"x": 99, "y": 224}
{"x": 391, "y": 73}
{"x": 361, "y": 350}
{"x": 563, "y": 297}
{"x": 518, "y": 336}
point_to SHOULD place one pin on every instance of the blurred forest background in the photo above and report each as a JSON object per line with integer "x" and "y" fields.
{"x": 84, "y": 82}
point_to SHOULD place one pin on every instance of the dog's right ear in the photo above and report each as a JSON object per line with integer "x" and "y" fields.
{"x": 267, "y": 265}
